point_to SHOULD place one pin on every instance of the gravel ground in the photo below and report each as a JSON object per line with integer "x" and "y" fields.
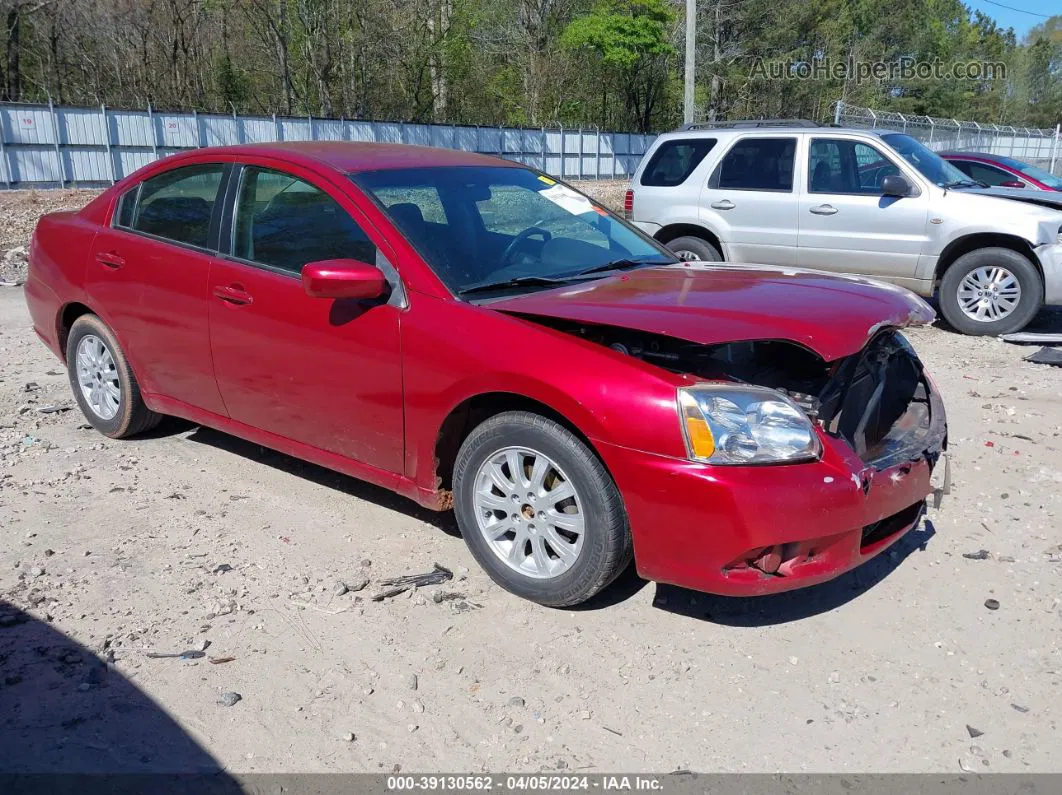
{"x": 188, "y": 538}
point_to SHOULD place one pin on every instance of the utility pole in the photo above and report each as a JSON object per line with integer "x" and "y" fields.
{"x": 691, "y": 51}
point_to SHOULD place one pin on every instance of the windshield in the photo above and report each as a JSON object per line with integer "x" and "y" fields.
{"x": 1039, "y": 174}
{"x": 931, "y": 165}
{"x": 501, "y": 228}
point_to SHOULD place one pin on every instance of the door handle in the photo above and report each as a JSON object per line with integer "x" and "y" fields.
{"x": 824, "y": 209}
{"x": 724, "y": 204}
{"x": 233, "y": 295}
{"x": 110, "y": 259}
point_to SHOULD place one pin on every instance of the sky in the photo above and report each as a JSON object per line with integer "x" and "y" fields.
{"x": 1008, "y": 18}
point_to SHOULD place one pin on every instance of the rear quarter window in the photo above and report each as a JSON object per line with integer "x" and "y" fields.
{"x": 673, "y": 161}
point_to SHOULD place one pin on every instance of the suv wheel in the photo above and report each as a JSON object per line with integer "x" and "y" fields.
{"x": 538, "y": 510}
{"x": 691, "y": 248}
{"x": 103, "y": 382}
{"x": 991, "y": 291}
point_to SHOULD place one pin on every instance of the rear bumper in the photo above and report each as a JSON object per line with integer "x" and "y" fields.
{"x": 701, "y": 526}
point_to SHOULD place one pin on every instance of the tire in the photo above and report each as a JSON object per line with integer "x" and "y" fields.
{"x": 605, "y": 546}
{"x": 976, "y": 264}
{"x": 130, "y": 415}
{"x": 698, "y": 249}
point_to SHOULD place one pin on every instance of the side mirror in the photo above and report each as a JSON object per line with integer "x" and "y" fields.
{"x": 342, "y": 278}
{"x": 895, "y": 185}
{"x": 1012, "y": 183}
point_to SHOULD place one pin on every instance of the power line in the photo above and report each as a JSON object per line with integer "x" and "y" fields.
{"x": 1012, "y": 8}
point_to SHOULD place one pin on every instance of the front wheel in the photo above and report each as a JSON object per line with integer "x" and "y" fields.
{"x": 538, "y": 510}
{"x": 991, "y": 291}
{"x": 691, "y": 249}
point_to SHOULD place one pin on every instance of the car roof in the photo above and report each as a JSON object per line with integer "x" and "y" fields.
{"x": 826, "y": 129}
{"x": 975, "y": 156}
{"x": 353, "y": 156}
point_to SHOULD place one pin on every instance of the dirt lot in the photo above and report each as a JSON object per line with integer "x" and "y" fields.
{"x": 188, "y": 537}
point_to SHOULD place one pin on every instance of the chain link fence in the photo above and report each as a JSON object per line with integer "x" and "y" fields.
{"x": 1042, "y": 148}
{"x": 46, "y": 145}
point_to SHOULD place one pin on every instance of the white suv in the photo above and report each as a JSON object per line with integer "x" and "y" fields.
{"x": 875, "y": 203}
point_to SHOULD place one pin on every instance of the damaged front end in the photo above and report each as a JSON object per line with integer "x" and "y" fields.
{"x": 880, "y": 400}
{"x": 883, "y": 403}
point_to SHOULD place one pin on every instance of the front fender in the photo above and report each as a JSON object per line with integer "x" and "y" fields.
{"x": 454, "y": 351}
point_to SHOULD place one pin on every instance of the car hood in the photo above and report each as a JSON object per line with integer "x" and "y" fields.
{"x": 989, "y": 203}
{"x": 1045, "y": 198}
{"x": 834, "y": 316}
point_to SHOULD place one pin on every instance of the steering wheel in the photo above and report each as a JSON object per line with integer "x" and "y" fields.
{"x": 515, "y": 243}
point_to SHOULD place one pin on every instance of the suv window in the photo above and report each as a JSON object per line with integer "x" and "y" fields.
{"x": 284, "y": 222}
{"x": 837, "y": 165}
{"x": 674, "y": 161}
{"x": 176, "y": 205}
{"x": 758, "y": 164}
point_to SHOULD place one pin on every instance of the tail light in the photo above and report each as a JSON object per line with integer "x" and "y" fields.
{"x": 628, "y": 205}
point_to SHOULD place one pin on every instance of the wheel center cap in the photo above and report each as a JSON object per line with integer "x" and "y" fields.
{"x": 527, "y": 511}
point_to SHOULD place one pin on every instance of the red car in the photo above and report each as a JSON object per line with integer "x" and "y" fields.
{"x": 473, "y": 334}
{"x": 998, "y": 171}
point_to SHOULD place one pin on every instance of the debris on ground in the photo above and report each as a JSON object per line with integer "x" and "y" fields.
{"x": 973, "y": 732}
{"x": 14, "y": 267}
{"x": 402, "y": 584}
{"x": 1052, "y": 356}
{"x": 191, "y": 654}
{"x": 1026, "y": 337}
{"x": 229, "y": 699}
{"x": 220, "y": 660}
{"x": 992, "y": 604}
{"x": 981, "y": 554}
{"x": 53, "y": 409}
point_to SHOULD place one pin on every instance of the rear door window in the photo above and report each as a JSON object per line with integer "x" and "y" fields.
{"x": 757, "y": 164}
{"x": 176, "y": 205}
{"x": 284, "y": 222}
{"x": 673, "y": 161}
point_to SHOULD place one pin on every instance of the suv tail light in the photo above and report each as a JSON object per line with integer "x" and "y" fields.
{"x": 628, "y": 205}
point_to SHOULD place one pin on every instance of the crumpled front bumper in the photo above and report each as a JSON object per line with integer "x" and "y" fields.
{"x": 708, "y": 527}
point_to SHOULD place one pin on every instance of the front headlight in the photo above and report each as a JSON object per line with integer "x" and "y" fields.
{"x": 739, "y": 424}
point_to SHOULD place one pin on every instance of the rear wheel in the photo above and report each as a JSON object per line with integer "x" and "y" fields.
{"x": 991, "y": 291}
{"x": 538, "y": 510}
{"x": 103, "y": 382}
{"x": 691, "y": 248}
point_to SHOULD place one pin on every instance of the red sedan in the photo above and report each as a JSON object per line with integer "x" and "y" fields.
{"x": 998, "y": 171}
{"x": 473, "y": 334}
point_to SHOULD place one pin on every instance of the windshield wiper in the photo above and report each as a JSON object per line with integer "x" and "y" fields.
{"x": 518, "y": 281}
{"x": 623, "y": 264}
{"x": 626, "y": 263}
{"x": 960, "y": 183}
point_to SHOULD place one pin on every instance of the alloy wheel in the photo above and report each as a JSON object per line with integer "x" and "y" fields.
{"x": 989, "y": 293}
{"x": 529, "y": 512}
{"x": 97, "y": 376}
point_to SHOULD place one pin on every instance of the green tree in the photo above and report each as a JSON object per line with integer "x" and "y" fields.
{"x": 632, "y": 40}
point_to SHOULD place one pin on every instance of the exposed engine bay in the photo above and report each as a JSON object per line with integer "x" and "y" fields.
{"x": 879, "y": 400}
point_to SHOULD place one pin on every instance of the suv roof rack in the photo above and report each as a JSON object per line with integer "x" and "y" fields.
{"x": 740, "y": 123}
